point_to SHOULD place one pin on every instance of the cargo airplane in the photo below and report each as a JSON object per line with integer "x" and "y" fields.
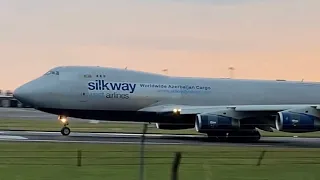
{"x": 224, "y": 109}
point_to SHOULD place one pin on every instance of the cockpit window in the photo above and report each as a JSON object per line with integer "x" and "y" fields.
{"x": 52, "y": 73}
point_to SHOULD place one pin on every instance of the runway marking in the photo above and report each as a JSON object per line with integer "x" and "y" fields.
{"x": 3, "y": 109}
{"x": 100, "y": 134}
{"x": 31, "y": 136}
{"x": 92, "y": 142}
{"x": 94, "y": 121}
{"x": 258, "y": 145}
{"x": 125, "y": 142}
{"x": 3, "y": 137}
{"x": 10, "y": 116}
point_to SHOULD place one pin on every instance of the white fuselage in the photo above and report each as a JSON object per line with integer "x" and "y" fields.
{"x": 209, "y": 105}
{"x": 96, "y": 88}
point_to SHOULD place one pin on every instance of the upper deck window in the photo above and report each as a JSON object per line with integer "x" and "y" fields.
{"x": 101, "y": 75}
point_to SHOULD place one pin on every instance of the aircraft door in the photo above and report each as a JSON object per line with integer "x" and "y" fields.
{"x": 74, "y": 89}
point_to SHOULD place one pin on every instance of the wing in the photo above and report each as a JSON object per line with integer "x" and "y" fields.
{"x": 257, "y": 116}
{"x": 185, "y": 109}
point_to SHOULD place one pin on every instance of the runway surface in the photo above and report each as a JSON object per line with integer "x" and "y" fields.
{"x": 116, "y": 138}
{"x": 155, "y": 139}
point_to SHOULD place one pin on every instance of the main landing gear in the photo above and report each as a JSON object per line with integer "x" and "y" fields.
{"x": 64, "y": 130}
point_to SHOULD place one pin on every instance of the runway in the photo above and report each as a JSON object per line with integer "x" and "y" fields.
{"x": 151, "y": 139}
{"x": 121, "y": 138}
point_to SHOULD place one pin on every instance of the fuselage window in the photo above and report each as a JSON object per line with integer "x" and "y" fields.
{"x": 101, "y": 75}
{"x": 87, "y": 76}
{"x": 52, "y": 73}
{"x": 48, "y": 73}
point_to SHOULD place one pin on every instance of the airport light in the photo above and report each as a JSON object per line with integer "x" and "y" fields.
{"x": 231, "y": 69}
{"x": 165, "y": 71}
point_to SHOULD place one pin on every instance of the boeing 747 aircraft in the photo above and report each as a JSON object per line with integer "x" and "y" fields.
{"x": 224, "y": 109}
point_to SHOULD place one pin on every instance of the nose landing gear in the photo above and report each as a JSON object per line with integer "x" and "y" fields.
{"x": 65, "y": 130}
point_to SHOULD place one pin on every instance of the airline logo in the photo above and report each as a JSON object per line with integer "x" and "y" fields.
{"x": 122, "y": 89}
{"x": 111, "y": 86}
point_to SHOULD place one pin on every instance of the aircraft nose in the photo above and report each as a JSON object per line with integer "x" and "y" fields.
{"x": 17, "y": 92}
{"x": 31, "y": 93}
{"x": 40, "y": 92}
{"x": 24, "y": 94}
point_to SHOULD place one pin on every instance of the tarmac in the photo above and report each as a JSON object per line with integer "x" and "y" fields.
{"x": 124, "y": 138}
{"x": 154, "y": 139}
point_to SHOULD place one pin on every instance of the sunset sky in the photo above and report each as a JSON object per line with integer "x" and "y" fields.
{"x": 261, "y": 39}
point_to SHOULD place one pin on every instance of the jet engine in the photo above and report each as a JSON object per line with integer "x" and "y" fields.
{"x": 167, "y": 126}
{"x": 205, "y": 123}
{"x": 298, "y": 120}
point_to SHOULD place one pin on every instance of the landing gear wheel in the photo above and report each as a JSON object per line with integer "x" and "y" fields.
{"x": 65, "y": 131}
{"x": 256, "y": 136}
{"x": 217, "y": 136}
{"x": 244, "y": 136}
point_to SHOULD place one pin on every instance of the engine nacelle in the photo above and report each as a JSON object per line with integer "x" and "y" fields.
{"x": 167, "y": 126}
{"x": 205, "y": 123}
{"x": 298, "y": 120}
